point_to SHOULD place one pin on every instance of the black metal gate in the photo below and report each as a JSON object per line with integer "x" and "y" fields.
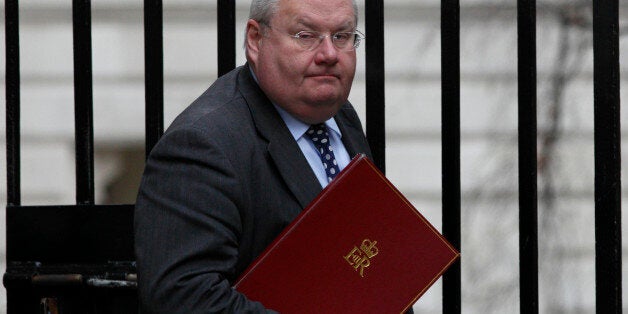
{"x": 79, "y": 258}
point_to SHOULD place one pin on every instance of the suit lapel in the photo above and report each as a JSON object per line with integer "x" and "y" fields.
{"x": 282, "y": 147}
{"x": 352, "y": 133}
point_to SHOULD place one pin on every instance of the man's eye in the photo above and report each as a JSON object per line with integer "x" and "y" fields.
{"x": 342, "y": 36}
{"x": 306, "y": 35}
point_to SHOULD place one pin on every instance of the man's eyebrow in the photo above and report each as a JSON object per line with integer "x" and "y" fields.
{"x": 310, "y": 25}
{"x": 305, "y": 23}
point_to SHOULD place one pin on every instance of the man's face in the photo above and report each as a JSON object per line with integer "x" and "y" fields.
{"x": 310, "y": 85}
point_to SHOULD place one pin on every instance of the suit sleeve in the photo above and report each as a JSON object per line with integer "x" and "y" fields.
{"x": 187, "y": 228}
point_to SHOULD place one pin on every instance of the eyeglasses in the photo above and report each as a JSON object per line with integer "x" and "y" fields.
{"x": 346, "y": 41}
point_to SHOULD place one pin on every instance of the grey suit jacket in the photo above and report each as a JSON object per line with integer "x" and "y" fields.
{"x": 224, "y": 180}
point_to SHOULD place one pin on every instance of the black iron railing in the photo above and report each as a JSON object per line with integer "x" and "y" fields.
{"x": 528, "y": 198}
{"x": 450, "y": 128}
{"x": 607, "y": 156}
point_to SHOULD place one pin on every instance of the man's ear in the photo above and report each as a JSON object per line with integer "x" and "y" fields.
{"x": 253, "y": 40}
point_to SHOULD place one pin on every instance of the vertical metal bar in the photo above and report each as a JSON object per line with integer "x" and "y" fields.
{"x": 607, "y": 157}
{"x": 375, "y": 81}
{"x": 12, "y": 88}
{"x": 12, "y": 39}
{"x": 450, "y": 67}
{"x": 528, "y": 208}
{"x": 154, "y": 71}
{"x": 83, "y": 101}
{"x": 226, "y": 36}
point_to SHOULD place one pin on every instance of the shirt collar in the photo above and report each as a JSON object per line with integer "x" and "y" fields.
{"x": 297, "y": 127}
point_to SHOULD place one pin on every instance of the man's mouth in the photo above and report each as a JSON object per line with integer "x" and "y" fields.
{"x": 324, "y": 76}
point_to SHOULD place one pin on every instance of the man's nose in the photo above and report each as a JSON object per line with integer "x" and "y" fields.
{"x": 326, "y": 52}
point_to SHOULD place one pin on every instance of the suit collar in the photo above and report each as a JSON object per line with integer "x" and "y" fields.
{"x": 352, "y": 133}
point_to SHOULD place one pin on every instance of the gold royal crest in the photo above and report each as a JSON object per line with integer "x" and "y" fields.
{"x": 360, "y": 258}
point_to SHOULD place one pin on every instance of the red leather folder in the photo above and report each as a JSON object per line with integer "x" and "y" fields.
{"x": 359, "y": 247}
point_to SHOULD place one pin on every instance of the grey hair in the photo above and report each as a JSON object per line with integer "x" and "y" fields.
{"x": 263, "y": 11}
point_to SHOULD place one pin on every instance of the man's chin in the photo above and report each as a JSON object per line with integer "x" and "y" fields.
{"x": 327, "y": 98}
{"x": 320, "y": 112}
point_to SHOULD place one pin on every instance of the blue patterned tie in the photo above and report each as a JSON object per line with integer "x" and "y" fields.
{"x": 318, "y": 134}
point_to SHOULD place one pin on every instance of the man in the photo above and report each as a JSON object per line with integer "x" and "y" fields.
{"x": 236, "y": 167}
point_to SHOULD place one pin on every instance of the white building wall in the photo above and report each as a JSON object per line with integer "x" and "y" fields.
{"x": 413, "y": 96}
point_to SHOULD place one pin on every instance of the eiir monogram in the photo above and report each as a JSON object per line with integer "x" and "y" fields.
{"x": 360, "y": 258}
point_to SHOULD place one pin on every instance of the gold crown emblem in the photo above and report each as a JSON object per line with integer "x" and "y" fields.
{"x": 369, "y": 248}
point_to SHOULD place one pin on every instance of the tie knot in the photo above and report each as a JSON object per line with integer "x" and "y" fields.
{"x": 318, "y": 133}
